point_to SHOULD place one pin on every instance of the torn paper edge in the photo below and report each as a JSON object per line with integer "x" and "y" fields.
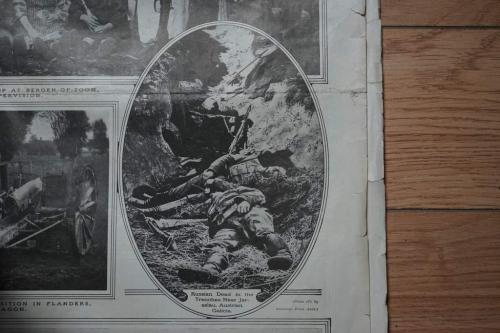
{"x": 376, "y": 187}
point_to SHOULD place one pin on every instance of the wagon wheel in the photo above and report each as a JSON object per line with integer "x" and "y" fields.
{"x": 85, "y": 215}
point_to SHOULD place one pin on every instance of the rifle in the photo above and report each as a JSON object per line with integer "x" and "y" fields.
{"x": 170, "y": 206}
{"x": 241, "y": 130}
{"x": 175, "y": 223}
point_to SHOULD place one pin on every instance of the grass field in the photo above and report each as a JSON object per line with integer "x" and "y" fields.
{"x": 295, "y": 213}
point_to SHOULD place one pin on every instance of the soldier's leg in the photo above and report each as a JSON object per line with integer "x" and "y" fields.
{"x": 219, "y": 248}
{"x": 193, "y": 185}
{"x": 259, "y": 225}
{"x": 144, "y": 192}
{"x": 277, "y": 248}
{"x": 224, "y": 242}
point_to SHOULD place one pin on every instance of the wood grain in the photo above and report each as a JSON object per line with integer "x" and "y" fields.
{"x": 444, "y": 271}
{"x": 444, "y": 315}
{"x": 442, "y": 118}
{"x": 440, "y": 12}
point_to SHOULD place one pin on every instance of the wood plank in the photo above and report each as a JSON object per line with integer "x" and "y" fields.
{"x": 444, "y": 271}
{"x": 442, "y": 118}
{"x": 440, "y": 13}
{"x": 444, "y": 253}
{"x": 438, "y": 315}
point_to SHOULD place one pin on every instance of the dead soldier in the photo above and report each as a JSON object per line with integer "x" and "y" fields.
{"x": 236, "y": 215}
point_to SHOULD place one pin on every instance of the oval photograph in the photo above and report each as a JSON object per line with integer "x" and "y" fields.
{"x": 223, "y": 169}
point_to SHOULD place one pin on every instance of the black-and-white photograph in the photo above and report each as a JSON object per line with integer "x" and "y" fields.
{"x": 120, "y": 37}
{"x": 54, "y": 180}
{"x": 223, "y": 164}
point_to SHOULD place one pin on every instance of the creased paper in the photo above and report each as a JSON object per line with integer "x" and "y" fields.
{"x": 192, "y": 166}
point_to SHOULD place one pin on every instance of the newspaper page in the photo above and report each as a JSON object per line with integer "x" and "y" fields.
{"x": 191, "y": 166}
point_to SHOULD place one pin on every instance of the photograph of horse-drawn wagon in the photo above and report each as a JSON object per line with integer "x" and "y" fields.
{"x": 54, "y": 180}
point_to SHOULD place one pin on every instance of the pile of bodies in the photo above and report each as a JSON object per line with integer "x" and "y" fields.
{"x": 236, "y": 214}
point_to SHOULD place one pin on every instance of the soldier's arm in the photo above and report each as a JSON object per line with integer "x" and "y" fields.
{"x": 250, "y": 195}
{"x": 222, "y": 164}
{"x": 221, "y": 185}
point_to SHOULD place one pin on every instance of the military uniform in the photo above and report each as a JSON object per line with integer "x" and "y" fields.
{"x": 230, "y": 229}
{"x": 220, "y": 168}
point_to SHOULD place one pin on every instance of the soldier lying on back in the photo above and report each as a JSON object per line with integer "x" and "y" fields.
{"x": 229, "y": 165}
{"x": 236, "y": 217}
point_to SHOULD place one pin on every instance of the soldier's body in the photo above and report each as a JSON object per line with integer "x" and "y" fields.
{"x": 236, "y": 216}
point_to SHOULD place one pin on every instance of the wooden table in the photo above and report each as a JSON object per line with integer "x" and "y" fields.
{"x": 442, "y": 153}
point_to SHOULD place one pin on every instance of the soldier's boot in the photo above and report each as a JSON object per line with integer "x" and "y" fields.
{"x": 146, "y": 200}
{"x": 144, "y": 192}
{"x": 276, "y": 247}
{"x": 208, "y": 273}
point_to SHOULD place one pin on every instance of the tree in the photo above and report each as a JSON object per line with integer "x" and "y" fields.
{"x": 70, "y": 131}
{"x": 100, "y": 140}
{"x": 13, "y": 130}
{"x": 37, "y": 146}
{"x": 162, "y": 35}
